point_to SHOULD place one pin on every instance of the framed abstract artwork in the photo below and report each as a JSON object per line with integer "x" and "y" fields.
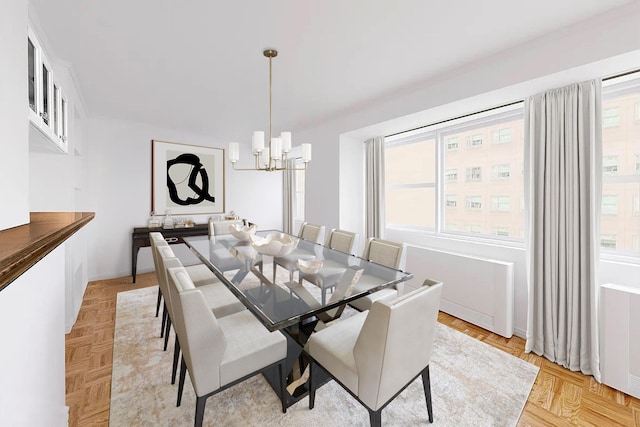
{"x": 186, "y": 179}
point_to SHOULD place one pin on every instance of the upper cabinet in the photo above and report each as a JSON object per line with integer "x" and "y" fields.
{"x": 47, "y": 103}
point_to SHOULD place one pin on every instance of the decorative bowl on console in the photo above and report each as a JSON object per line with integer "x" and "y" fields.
{"x": 274, "y": 244}
{"x": 242, "y": 232}
{"x": 310, "y": 266}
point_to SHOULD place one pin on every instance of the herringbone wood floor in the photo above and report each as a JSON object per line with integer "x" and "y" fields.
{"x": 559, "y": 397}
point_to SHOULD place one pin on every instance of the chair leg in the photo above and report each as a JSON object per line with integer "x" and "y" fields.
{"x": 283, "y": 389}
{"x": 312, "y": 385}
{"x": 375, "y": 418}
{"x": 183, "y": 369}
{"x": 200, "y": 402}
{"x": 165, "y": 314}
{"x": 158, "y": 303}
{"x": 166, "y": 333}
{"x": 426, "y": 383}
{"x": 176, "y": 358}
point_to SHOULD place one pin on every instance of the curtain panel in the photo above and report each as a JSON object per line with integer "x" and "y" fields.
{"x": 563, "y": 142}
{"x": 374, "y": 165}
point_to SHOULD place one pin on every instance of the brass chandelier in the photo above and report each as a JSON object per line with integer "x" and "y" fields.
{"x": 275, "y": 156}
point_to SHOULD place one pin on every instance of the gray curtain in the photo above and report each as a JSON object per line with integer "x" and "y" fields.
{"x": 563, "y": 166}
{"x": 374, "y": 223}
{"x": 288, "y": 196}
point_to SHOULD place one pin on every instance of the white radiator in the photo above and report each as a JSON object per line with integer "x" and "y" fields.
{"x": 478, "y": 290}
{"x": 620, "y": 337}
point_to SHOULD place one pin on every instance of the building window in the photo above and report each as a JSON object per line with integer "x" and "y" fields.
{"x": 500, "y": 203}
{"x": 608, "y": 241}
{"x": 473, "y": 202}
{"x": 500, "y": 231}
{"x": 610, "y": 117}
{"x": 610, "y": 165}
{"x": 636, "y": 166}
{"x": 474, "y": 141}
{"x": 636, "y": 204}
{"x": 501, "y": 136}
{"x": 609, "y": 205}
{"x": 637, "y": 114}
{"x": 452, "y": 143}
{"x": 451, "y": 201}
{"x": 474, "y": 228}
{"x": 474, "y": 174}
{"x": 500, "y": 172}
{"x": 451, "y": 175}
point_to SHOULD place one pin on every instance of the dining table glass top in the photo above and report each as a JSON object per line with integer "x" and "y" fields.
{"x": 282, "y": 302}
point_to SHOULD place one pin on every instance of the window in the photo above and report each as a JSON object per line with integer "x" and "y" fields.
{"x": 501, "y": 136}
{"x": 620, "y": 166}
{"x": 610, "y": 117}
{"x": 56, "y": 109}
{"x": 298, "y": 192}
{"x": 637, "y": 115}
{"x": 474, "y": 141}
{"x": 64, "y": 117}
{"x": 429, "y": 166}
{"x": 500, "y": 172}
{"x": 410, "y": 179}
{"x": 609, "y": 205}
{"x": 610, "y": 165}
{"x": 608, "y": 241}
{"x": 474, "y": 174}
{"x": 473, "y": 202}
{"x": 500, "y": 203}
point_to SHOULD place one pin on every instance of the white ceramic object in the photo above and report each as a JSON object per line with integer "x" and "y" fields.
{"x": 310, "y": 266}
{"x": 275, "y": 244}
{"x": 242, "y": 232}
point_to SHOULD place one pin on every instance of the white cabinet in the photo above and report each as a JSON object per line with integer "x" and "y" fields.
{"x": 47, "y": 105}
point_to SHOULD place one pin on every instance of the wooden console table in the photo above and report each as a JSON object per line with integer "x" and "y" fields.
{"x": 140, "y": 239}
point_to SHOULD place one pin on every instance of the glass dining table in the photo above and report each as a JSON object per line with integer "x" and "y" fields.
{"x": 293, "y": 307}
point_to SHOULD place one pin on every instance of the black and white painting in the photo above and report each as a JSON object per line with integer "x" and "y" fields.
{"x": 187, "y": 179}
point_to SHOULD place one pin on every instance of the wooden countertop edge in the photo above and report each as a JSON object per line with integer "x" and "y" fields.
{"x": 33, "y": 249}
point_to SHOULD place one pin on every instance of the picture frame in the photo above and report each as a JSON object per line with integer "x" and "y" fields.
{"x": 186, "y": 179}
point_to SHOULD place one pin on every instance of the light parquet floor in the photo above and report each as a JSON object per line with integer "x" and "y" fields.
{"x": 559, "y": 397}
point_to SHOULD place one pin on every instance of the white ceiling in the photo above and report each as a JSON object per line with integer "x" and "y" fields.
{"x": 197, "y": 65}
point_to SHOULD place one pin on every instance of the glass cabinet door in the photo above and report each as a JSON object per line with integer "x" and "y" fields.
{"x": 31, "y": 52}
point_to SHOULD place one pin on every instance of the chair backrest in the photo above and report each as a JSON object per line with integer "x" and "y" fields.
{"x": 395, "y": 343}
{"x": 217, "y": 228}
{"x": 312, "y": 232}
{"x": 342, "y": 240}
{"x": 156, "y": 238}
{"x": 386, "y": 252}
{"x": 202, "y": 342}
{"x": 165, "y": 255}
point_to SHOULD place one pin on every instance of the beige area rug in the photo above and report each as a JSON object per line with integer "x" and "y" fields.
{"x": 472, "y": 384}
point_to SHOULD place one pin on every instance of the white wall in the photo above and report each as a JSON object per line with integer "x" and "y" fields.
{"x": 14, "y": 161}
{"x": 604, "y": 45}
{"x": 120, "y": 191}
{"x": 32, "y": 389}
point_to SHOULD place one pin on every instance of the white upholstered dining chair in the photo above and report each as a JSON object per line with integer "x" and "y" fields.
{"x": 376, "y": 354}
{"x": 389, "y": 254}
{"x": 220, "y": 353}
